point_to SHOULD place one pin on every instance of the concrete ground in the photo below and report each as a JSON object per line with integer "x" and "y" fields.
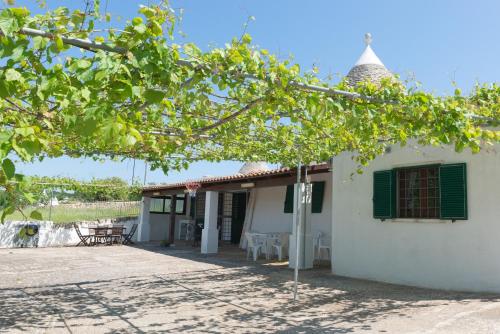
{"x": 146, "y": 289}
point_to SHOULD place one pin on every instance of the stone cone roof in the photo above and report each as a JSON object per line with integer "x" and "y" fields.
{"x": 368, "y": 67}
{"x": 253, "y": 167}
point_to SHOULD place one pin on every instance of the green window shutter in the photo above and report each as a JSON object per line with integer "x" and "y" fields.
{"x": 384, "y": 194}
{"x": 289, "y": 199}
{"x": 318, "y": 190}
{"x": 453, "y": 191}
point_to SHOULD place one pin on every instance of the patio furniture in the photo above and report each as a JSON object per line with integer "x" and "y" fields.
{"x": 86, "y": 239}
{"x": 255, "y": 244}
{"x": 276, "y": 242}
{"x": 115, "y": 234}
{"x": 127, "y": 238}
{"x": 99, "y": 235}
{"x": 321, "y": 243}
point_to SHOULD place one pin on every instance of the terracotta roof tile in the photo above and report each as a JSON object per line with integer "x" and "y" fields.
{"x": 233, "y": 177}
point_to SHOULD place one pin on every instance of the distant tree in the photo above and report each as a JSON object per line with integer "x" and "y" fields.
{"x": 108, "y": 189}
{"x": 43, "y": 188}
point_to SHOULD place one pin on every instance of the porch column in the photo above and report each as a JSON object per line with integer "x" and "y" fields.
{"x": 173, "y": 205}
{"x": 143, "y": 228}
{"x": 210, "y": 234}
{"x": 306, "y": 247}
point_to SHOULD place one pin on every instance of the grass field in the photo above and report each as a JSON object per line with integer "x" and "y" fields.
{"x": 69, "y": 213}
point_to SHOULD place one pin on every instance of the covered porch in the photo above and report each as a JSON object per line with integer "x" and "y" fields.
{"x": 228, "y": 210}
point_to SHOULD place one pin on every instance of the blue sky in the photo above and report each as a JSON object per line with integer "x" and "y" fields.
{"x": 438, "y": 42}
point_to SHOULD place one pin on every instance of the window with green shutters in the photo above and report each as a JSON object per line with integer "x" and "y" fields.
{"x": 318, "y": 191}
{"x": 424, "y": 192}
{"x": 289, "y": 199}
{"x": 418, "y": 192}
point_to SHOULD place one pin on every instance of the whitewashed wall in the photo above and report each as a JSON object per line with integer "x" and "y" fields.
{"x": 464, "y": 255}
{"x": 159, "y": 226}
{"x": 269, "y": 216}
{"x": 50, "y": 234}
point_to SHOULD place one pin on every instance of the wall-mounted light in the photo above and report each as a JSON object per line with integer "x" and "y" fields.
{"x": 156, "y": 193}
{"x": 248, "y": 185}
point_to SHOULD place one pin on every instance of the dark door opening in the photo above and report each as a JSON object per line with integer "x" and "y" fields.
{"x": 238, "y": 216}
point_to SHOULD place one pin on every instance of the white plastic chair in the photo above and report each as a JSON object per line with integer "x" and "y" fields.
{"x": 277, "y": 242}
{"x": 255, "y": 245}
{"x": 321, "y": 244}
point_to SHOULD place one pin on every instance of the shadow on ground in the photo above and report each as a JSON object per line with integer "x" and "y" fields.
{"x": 234, "y": 296}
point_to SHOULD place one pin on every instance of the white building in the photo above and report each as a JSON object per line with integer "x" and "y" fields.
{"x": 256, "y": 199}
{"x": 421, "y": 216}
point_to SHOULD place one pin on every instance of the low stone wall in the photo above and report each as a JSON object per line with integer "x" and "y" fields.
{"x": 52, "y": 235}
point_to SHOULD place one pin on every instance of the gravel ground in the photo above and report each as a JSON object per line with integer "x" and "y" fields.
{"x": 146, "y": 289}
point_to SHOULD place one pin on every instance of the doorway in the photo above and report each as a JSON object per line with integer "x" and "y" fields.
{"x": 239, "y": 207}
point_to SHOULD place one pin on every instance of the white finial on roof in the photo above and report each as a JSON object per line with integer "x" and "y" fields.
{"x": 368, "y": 38}
{"x": 368, "y": 56}
{"x": 368, "y": 67}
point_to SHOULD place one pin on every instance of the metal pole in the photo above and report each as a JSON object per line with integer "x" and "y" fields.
{"x": 298, "y": 202}
{"x": 145, "y": 171}
{"x": 304, "y": 223}
{"x": 133, "y": 173}
{"x": 50, "y": 207}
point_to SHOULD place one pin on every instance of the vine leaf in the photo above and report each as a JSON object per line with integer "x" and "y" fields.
{"x": 36, "y": 215}
{"x": 8, "y": 23}
{"x": 8, "y": 168}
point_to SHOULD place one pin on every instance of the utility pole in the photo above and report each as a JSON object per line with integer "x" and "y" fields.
{"x": 133, "y": 173}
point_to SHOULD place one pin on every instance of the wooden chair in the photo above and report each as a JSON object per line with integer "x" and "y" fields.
{"x": 86, "y": 240}
{"x": 127, "y": 237}
{"x": 100, "y": 235}
{"x": 115, "y": 234}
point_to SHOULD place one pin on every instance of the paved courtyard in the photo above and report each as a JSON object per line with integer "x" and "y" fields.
{"x": 146, "y": 289}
